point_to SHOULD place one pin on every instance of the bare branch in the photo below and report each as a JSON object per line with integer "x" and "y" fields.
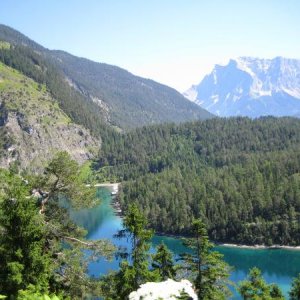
{"x": 80, "y": 241}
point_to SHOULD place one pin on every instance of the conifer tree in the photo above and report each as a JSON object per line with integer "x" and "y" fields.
{"x": 24, "y": 259}
{"x": 163, "y": 263}
{"x": 294, "y": 293}
{"x": 255, "y": 287}
{"x": 135, "y": 270}
{"x": 40, "y": 246}
{"x": 208, "y": 270}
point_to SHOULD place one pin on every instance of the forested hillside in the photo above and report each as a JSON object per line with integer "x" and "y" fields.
{"x": 131, "y": 101}
{"x": 95, "y": 93}
{"x": 241, "y": 176}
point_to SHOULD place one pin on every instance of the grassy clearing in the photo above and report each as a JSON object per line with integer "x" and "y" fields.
{"x": 4, "y": 45}
{"x": 30, "y": 98}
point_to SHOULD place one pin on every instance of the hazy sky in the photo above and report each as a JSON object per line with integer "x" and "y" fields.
{"x": 171, "y": 41}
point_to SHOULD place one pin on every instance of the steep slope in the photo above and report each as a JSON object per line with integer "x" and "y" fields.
{"x": 251, "y": 87}
{"x": 34, "y": 64}
{"x": 120, "y": 98}
{"x": 131, "y": 100}
{"x": 33, "y": 127}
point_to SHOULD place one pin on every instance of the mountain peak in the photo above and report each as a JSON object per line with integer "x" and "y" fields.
{"x": 251, "y": 86}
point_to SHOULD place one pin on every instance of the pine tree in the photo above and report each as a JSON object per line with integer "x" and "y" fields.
{"x": 39, "y": 244}
{"x": 24, "y": 260}
{"x": 62, "y": 182}
{"x": 255, "y": 287}
{"x": 163, "y": 263}
{"x": 135, "y": 226}
{"x": 294, "y": 293}
{"x": 208, "y": 270}
{"x": 135, "y": 270}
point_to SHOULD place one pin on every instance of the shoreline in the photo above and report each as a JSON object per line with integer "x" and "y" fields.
{"x": 242, "y": 246}
{"x": 115, "y": 186}
{"x": 259, "y": 247}
{"x": 118, "y": 211}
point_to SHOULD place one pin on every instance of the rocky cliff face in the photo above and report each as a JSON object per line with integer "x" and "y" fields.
{"x": 251, "y": 87}
{"x": 33, "y": 127}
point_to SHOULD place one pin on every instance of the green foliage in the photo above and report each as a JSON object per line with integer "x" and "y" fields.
{"x": 256, "y": 288}
{"x": 24, "y": 258}
{"x": 32, "y": 293}
{"x": 294, "y": 293}
{"x": 135, "y": 227}
{"x": 162, "y": 263}
{"x": 40, "y": 247}
{"x": 208, "y": 270}
{"x": 184, "y": 296}
{"x": 86, "y": 174}
{"x": 240, "y": 176}
{"x": 275, "y": 292}
{"x": 63, "y": 177}
{"x": 60, "y": 184}
{"x": 135, "y": 271}
{"x": 4, "y": 45}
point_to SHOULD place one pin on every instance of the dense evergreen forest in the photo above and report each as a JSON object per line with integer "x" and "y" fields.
{"x": 241, "y": 176}
{"x": 41, "y": 249}
{"x": 133, "y": 101}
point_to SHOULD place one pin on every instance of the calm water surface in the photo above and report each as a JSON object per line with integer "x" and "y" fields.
{"x": 278, "y": 266}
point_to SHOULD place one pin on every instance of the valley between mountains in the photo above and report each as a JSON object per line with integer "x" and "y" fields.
{"x": 223, "y": 165}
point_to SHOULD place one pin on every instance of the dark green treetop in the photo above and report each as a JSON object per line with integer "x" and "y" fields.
{"x": 255, "y": 287}
{"x": 163, "y": 263}
{"x": 24, "y": 258}
{"x": 207, "y": 269}
{"x": 294, "y": 293}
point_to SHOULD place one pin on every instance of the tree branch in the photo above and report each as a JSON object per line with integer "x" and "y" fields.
{"x": 79, "y": 241}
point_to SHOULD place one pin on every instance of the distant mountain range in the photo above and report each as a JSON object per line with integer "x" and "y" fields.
{"x": 252, "y": 87}
{"x": 119, "y": 98}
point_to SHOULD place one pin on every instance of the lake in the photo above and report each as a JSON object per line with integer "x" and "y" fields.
{"x": 277, "y": 265}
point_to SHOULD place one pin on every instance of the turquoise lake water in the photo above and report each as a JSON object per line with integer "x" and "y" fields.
{"x": 277, "y": 266}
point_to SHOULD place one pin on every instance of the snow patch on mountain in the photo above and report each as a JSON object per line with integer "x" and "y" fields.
{"x": 250, "y": 86}
{"x": 191, "y": 93}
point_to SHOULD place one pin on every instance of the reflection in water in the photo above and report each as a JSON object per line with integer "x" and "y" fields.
{"x": 95, "y": 219}
{"x": 273, "y": 262}
{"x": 278, "y": 266}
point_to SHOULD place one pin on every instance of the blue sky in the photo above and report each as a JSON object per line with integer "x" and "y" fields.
{"x": 175, "y": 42}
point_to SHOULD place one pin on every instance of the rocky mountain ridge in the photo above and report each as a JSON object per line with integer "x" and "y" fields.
{"x": 252, "y": 87}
